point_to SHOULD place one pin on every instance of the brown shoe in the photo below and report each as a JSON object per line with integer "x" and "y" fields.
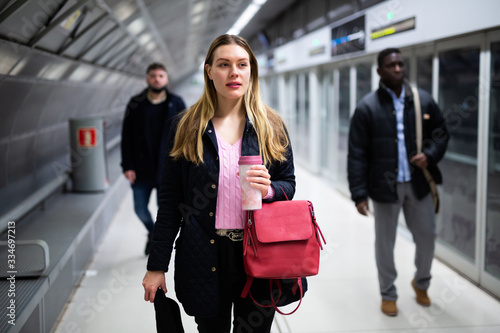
{"x": 389, "y": 308}
{"x": 421, "y": 295}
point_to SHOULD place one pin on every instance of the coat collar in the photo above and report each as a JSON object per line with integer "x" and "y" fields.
{"x": 210, "y": 132}
{"x": 408, "y": 91}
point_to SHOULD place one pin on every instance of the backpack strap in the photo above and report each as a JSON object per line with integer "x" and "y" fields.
{"x": 246, "y": 289}
{"x": 297, "y": 286}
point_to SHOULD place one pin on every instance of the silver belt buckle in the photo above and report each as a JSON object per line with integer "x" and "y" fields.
{"x": 235, "y": 235}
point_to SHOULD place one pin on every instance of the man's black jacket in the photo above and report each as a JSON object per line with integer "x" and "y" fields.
{"x": 373, "y": 148}
{"x": 188, "y": 199}
{"x": 137, "y": 147}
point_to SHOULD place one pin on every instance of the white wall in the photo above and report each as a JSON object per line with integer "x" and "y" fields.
{"x": 435, "y": 19}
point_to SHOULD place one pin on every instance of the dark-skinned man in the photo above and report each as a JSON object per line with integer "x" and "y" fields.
{"x": 383, "y": 164}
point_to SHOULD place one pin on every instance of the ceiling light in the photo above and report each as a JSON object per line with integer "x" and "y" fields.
{"x": 81, "y": 73}
{"x": 124, "y": 11}
{"x": 54, "y": 71}
{"x": 144, "y": 38}
{"x": 151, "y": 46}
{"x": 247, "y": 15}
{"x": 9, "y": 59}
{"x": 196, "y": 19}
{"x": 136, "y": 26}
{"x": 198, "y": 8}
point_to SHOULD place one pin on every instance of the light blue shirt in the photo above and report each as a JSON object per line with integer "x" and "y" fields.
{"x": 399, "y": 107}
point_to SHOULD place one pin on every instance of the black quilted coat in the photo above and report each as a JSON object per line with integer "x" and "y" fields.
{"x": 373, "y": 148}
{"x": 136, "y": 145}
{"x": 188, "y": 196}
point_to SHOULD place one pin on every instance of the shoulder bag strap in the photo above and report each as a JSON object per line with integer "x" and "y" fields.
{"x": 418, "y": 118}
{"x": 418, "y": 126}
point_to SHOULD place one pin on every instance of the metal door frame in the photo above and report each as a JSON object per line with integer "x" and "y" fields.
{"x": 487, "y": 280}
{"x": 448, "y": 255}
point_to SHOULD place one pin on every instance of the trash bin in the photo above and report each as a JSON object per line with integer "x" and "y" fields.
{"x": 88, "y": 155}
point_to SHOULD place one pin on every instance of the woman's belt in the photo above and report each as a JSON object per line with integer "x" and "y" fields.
{"x": 235, "y": 235}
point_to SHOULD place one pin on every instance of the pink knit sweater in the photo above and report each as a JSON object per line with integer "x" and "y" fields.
{"x": 229, "y": 214}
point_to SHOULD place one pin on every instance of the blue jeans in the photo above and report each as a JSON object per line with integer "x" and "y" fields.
{"x": 142, "y": 193}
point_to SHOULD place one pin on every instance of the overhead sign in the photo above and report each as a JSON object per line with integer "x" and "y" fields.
{"x": 393, "y": 28}
{"x": 349, "y": 37}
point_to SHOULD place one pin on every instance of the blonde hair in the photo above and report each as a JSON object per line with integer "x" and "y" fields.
{"x": 269, "y": 126}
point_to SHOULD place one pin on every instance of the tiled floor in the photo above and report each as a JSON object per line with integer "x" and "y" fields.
{"x": 342, "y": 298}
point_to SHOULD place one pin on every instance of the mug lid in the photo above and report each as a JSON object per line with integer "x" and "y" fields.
{"x": 255, "y": 159}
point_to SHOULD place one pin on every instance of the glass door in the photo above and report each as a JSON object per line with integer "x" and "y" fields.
{"x": 344, "y": 114}
{"x": 490, "y": 276}
{"x": 329, "y": 127}
{"x": 458, "y": 68}
{"x": 363, "y": 80}
{"x": 424, "y": 72}
{"x": 301, "y": 148}
{"x": 292, "y": 107}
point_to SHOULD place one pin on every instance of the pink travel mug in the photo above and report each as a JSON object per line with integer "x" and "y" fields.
{"x": 251, "y": 198}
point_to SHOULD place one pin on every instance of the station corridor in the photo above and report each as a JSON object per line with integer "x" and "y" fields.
{"x": 343, "y": 297}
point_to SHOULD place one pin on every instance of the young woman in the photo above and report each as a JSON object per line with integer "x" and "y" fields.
{"x": 200, "y": 192}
